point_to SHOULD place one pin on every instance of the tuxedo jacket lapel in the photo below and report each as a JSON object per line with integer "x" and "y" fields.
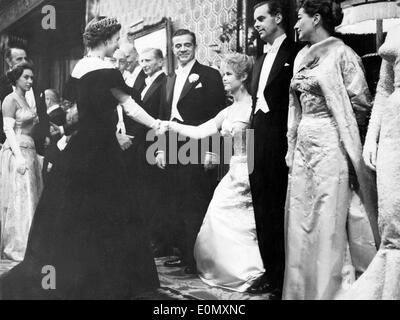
{"x": 170, "y": 89}
{"x": 280, "y": 59}
{"x": 188, "y": 86}
{"x": 154, "y": 86}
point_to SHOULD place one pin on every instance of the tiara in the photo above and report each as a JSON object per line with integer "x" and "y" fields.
{"x": 102, "y": 24}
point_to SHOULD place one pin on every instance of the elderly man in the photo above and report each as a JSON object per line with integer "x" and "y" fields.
{"x": 134, "y": 75}
{"x": 148, "y": 179}
{"x": 120, "y": 60}
{"x": 56, "y": 116}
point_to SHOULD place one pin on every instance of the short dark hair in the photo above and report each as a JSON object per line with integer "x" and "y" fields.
{"x": 275, "y": 7}
{"x": 8, "y": 52}
{"x": 15, "y": 73}
{"x": 181, "y": 32}
{"x": 330, "y": 11}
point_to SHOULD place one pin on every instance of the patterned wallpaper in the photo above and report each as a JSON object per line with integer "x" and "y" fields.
{"x": 204, "y": 17}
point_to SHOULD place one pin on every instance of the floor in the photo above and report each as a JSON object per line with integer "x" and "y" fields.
{"x": 176, "y": 285}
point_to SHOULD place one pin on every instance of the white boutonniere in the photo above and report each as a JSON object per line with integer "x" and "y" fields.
{"x": 194, "y": 77}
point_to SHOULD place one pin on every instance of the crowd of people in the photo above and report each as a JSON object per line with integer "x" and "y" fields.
{"x": 307, "y": 210}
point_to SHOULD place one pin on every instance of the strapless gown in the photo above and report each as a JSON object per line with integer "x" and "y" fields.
{"x": 226, "y": 249}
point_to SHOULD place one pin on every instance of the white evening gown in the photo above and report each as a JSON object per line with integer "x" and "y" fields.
{"x": 226, "y": 249}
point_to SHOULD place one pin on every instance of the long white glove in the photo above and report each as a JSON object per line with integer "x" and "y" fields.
{"x": 137, "y": 113}
{"x": 8, "y": 127}
{"x": 202, "y": 131}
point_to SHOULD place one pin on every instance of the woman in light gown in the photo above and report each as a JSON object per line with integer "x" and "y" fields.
{"x": 226, "y": 249}
{"x": 382, "y": 153}
{"x": 330, "y": 222}
{"x": 20, "y": 168}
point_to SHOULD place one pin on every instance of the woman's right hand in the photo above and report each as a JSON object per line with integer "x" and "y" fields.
{"x": 21, "y": 165}
{"x": 369, "y": 154}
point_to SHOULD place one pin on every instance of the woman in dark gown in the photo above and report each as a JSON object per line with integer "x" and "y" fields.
{"x": 86, "y": 224}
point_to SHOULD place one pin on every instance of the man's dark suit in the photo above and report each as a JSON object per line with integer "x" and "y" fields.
{"x": 190, "y": 185}
{"x": 268, "y": 180}
{"x": 148, "y": 180}
{"x": 140, "y": 82}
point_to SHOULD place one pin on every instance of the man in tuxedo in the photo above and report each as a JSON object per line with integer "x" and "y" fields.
{"x": 194, "y": 95}
{"x": 268, "y": 180}
{"x": 149, "y": 98}
{"x": 149, "y": 181}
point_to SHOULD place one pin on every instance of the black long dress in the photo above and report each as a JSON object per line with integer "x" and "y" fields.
{"x": 86, "y": 224}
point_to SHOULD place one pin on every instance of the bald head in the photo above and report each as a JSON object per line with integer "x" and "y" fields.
{"x": 131, "y": 55}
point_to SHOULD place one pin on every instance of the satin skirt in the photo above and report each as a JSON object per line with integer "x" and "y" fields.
{"x": 226, "y": 249}
{"x": 19, "y": 196}
{"x": 317, "y": 252}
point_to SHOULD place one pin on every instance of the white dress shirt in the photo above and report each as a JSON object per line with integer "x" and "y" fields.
{"x": 130, "y": 77}
{"x": 272, "y": 51}
{"x": 182, "y": 73}
{"x": 149, "y": 81}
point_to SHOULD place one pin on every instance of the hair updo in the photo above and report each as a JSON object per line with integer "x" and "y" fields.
{"x": 330, "y": 11}
{"x": 16, "y": 72}
{"x": 100, "y": 29}
{"x": 241, "y": 65}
